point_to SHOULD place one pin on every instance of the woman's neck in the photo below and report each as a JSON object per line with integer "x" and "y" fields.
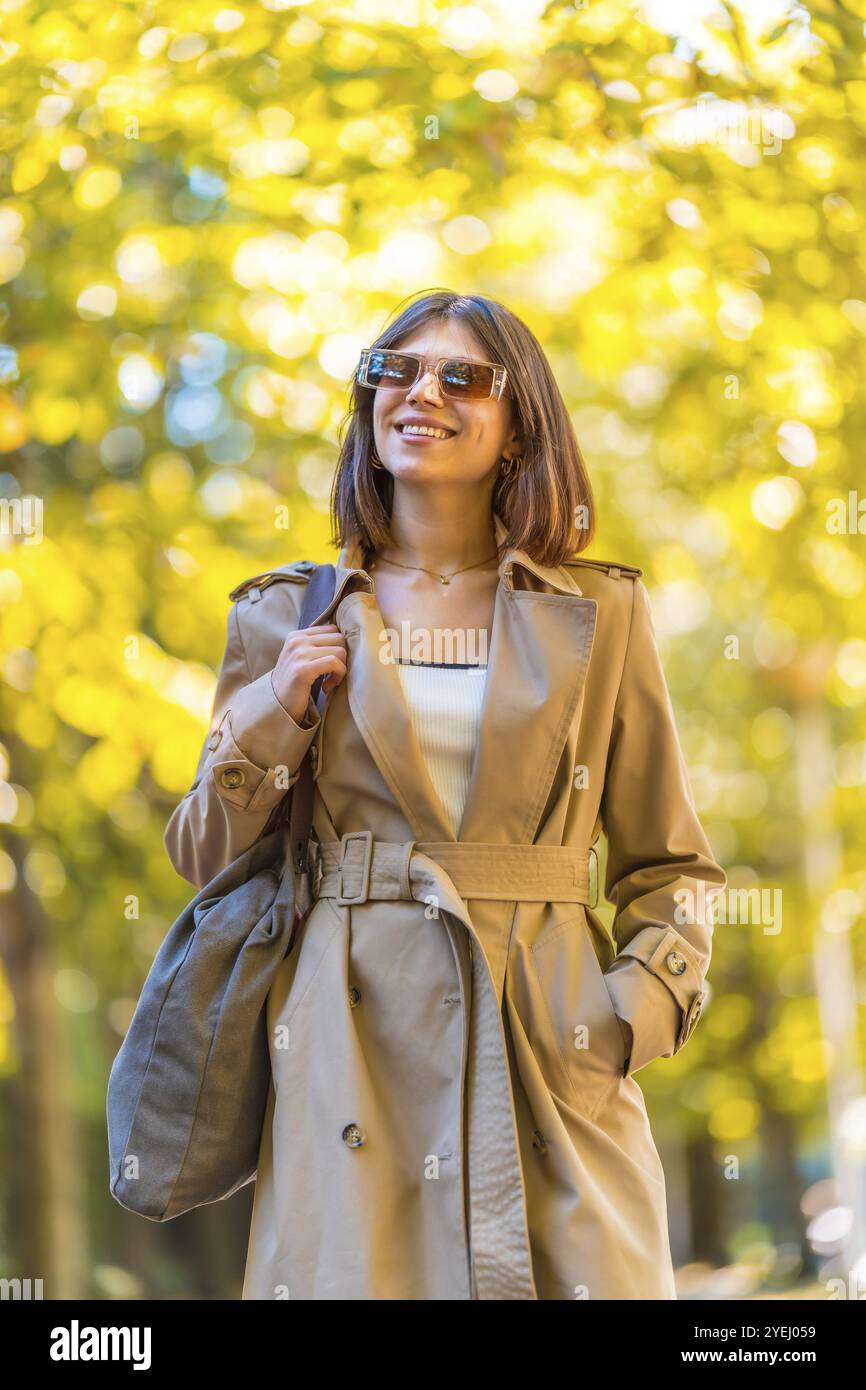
{"x": 441, "y": 534}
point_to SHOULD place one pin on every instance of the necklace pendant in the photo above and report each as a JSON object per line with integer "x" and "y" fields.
{"x": 444, "y": 579}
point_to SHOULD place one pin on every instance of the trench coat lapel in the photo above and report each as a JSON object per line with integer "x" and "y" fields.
{"x": 539, "y": 654}
{"x": 383, "y": 717}
{"x": 538, "y": 659}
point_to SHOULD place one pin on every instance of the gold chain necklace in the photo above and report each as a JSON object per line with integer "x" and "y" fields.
{"x": 443, "y": 578}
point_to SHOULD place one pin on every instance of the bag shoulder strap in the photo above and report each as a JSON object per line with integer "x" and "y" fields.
{"x": 318, "y": 595}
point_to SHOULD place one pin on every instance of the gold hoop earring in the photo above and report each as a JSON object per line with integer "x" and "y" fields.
{"x": 510, "y": 467}
{"x": 375, "y": 461}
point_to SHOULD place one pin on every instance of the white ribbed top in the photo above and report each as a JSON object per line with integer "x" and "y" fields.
{"x": 445, "y": 705}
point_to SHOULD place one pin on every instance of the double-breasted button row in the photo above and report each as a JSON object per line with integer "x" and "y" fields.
{"x": 353, "y": 1136}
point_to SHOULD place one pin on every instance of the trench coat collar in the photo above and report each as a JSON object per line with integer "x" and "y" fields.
{"x": 537, "y": 662}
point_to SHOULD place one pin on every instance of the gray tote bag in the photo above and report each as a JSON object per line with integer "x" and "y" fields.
{"x": 188, "y": 1088}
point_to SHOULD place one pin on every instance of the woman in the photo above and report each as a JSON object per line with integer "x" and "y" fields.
{"x": 454, "y": 1035}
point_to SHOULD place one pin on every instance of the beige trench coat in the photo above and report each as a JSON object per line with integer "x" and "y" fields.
{"x": 454, "y": 1114}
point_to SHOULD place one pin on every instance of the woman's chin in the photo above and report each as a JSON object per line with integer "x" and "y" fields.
{"x": 422, "y": 465}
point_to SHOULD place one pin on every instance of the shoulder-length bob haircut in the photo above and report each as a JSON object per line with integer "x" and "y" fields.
{"x": 547, "y": 505}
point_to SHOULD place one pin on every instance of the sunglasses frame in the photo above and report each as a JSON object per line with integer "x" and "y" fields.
{"x": 500, "y": 374}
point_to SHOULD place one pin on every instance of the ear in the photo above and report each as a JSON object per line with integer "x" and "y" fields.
{"x": 515, "y": 441}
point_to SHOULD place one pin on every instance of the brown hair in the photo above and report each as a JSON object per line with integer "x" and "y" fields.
{"x": 537, "y": 504}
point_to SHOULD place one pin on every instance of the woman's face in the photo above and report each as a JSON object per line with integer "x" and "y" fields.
{"x": 478, "y": 434}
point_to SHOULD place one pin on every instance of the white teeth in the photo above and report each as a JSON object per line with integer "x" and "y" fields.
{"x": 426, "y": 429}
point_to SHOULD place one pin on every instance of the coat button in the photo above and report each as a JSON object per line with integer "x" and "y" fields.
{"x": 677, "y": 963}
{"x": 538, "y": 1141}
{"x": 353, "y": 1136}
{"x": 232, "y": 777}
{"x": 354, "y": 997}
{"x": 314, "y": 756}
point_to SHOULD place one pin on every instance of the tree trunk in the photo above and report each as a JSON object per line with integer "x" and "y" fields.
{"x": 44, "y": 1155}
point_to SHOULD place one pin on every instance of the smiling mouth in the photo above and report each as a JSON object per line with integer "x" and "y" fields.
{"x": 433, "y": 431}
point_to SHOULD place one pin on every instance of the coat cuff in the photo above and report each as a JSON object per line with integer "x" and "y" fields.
{"x": 266, "y": 733}
{"x": 656, "y": 985}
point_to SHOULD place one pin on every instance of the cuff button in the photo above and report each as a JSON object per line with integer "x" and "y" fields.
{"x": 232, "y": 777}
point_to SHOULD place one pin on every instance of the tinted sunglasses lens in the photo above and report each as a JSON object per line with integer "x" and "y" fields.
{"x": 471, "y": 380}
{"x": 391, "y": 369}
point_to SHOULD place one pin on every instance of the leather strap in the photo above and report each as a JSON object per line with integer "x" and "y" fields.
{"x": 319, "y": 592}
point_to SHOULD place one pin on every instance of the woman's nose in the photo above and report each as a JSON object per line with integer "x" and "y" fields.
{"x": 425, "y": 388}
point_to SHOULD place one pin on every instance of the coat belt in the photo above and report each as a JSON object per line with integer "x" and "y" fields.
{"x": 357, "y": 867}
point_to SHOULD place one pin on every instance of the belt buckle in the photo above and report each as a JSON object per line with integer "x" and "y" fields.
{"x": 361, "y": 897}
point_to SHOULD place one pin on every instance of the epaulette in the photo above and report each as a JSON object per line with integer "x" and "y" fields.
{"x": 297, "y": 573}
{"x": 612, "y": 567}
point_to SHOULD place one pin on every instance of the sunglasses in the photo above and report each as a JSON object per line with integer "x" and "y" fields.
{"x": 459, "y": 377}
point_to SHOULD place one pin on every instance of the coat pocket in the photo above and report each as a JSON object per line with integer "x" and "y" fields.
{"x": 575, "y": 1021}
